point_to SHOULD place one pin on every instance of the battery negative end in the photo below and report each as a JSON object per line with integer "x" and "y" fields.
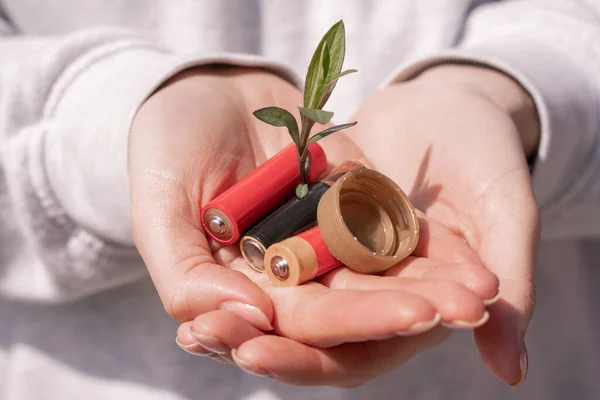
{"x": 253, "y": 252}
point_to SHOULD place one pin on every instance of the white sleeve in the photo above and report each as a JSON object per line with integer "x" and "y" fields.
{"x": 552, "y": 48}
{"x": 66, "y": 106}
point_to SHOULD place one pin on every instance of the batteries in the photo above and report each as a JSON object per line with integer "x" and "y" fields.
{"x": 354, "y": 217}
{"x": 286, "y": 221}
{"x": 364, "y": 222}
{"x": 291, "y": 218}
{"x": 231, "y": 213}
{"x": 299, "y": 259}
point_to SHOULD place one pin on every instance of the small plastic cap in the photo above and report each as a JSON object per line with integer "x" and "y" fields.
{"x": 290, "y": 262}
{"x": 253, "y": 252}
{"x": 367, "y": 221}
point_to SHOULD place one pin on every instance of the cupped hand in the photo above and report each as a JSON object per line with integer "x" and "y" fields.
{"x": 459, "y": 137}
{"x": 191, "y": 140}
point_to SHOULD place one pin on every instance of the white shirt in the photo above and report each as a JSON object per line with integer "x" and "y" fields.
{"x": 79, "y": 316}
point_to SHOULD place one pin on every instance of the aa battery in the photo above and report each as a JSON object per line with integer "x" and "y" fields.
{"x": 299, "y": 259}
{"x": 289, "y": 219}
{"x": 267, "y": 187}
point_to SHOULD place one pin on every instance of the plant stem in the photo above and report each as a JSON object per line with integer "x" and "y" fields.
{"x": 307, "y": 125}
{"x": 301, "y": 164}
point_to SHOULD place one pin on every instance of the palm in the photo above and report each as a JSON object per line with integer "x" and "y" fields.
{"x": 463, "y": 162}
{"x": 204, "y": 142}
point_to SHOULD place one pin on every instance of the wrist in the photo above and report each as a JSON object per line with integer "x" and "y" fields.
{"x": 496, "y": 87}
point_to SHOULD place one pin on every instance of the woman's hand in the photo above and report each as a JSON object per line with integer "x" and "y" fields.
{"x": 458, "y": 138}
{"x": 197, "y": 136}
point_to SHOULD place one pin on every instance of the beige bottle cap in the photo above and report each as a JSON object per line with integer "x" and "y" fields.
{"x": 290, "y": 262}
{"x": 367, "y": 221}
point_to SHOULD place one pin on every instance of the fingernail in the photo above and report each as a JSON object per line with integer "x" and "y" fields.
{"x": 227, "y": 357}
{"x": 523, "y": 365}
{"x": 421, "y": 326}
{"x": 194, "y": 349}
{"x": 247, "y": 366}
{"x": 223, "y": 359}
{"x": 491, "y": 301}
{"x": 211, "y": 343}
{"x": 250, "y": 313}
{"x": 458, "y": 324}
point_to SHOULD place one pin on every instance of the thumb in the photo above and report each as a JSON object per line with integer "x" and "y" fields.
{"x": 177, "y": 254}
{"x": 509, "y": 237}
{"x": 173, "y": 140}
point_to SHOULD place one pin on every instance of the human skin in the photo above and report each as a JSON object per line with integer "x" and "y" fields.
{"x": 461, "y": 137}
{"x": 195, "y": 137}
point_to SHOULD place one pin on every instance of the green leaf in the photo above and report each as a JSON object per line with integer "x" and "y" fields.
{"x": 316, "y": 74}
{"x": 279, "y": 117}
{"x": 335, "y": 42}
{"x": 325, "y": 62}
{"x": 327, "y": 88}
{"x": 346, "y": 72}
{"x": 324, "y": 93}
{"x": 319, "y": 116}
{"x": 301, "y": 190}
{"x": 329, "y": 131}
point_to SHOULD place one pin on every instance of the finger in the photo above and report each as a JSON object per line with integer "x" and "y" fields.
{"x": 185, "y": 274}
{"x": 508, "y": 244}
{"x": 221, "y": 331}
{"x": 188, "y": 343}
{"x": 168, "y": 182}
{"x": 348, "y": 365}
{"x": 474, "y": 277}
{"x": 440, "y": 243}
{"x": 458, "y": 261}
{"x": 458, "y": 306}
{"x": 349, "y": 315}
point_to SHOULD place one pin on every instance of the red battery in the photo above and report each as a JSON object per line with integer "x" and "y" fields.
{"x": 325, "y": 260}
{"x": 299, "y": 259}
{"x": 234, "y": 211}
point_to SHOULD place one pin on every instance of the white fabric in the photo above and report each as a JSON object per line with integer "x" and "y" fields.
{"x": 79, "y": 317}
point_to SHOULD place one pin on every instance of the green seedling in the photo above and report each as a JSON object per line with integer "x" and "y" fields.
{"x": 324, "y": 70}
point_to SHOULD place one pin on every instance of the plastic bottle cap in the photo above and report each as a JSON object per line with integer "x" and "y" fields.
{"x": 367, "y": 221}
